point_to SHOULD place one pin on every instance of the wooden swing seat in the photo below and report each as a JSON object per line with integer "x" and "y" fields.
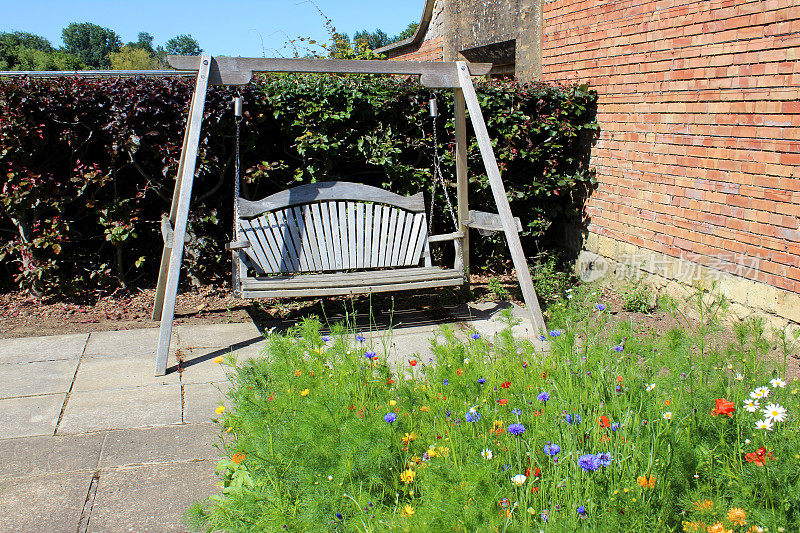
{"x": 335, "y": 238}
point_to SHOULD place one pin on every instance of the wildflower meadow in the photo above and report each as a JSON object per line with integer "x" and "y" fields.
{"x": 601, "y": 428}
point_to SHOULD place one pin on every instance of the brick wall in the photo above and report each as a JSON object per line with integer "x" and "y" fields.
{"x": 429, "y": 50}
{"x": 699, "y": 156}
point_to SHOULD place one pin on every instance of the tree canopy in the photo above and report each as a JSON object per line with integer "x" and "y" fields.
{"x": 90, "y": 43}
{"x": 183, "y": 45}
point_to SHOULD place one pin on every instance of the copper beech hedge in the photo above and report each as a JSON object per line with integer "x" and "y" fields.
{"x": 88, "y": 165}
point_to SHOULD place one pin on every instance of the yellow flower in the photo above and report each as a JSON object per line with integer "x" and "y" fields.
{"x": 702, "y": 505}
{"x": 407, "y": 476}
{"x": 392, "y": 403}
{"x": 432, "y": 451}
{"x": 305, "y": 392}
{"x": 424, "y": 409}
{"x": 408, "y": 510}
{"x": 718, "y": 528}
{"x": 409, "y": 437}
{"x": 298, "y": 373}
{"x": 737, "y": 516}
{"x": 690, "y": 526}
{"x": 444, "y": 450}
{"x": 218, "y": 359}
{"x": 219, "y": 410}
{"x": 646, "y": 482}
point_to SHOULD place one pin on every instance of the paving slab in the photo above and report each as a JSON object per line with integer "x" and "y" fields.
{"x": 51, "y": 503}
{"x": 36, "y": 378}
{"x": 215, "y": 335}
{"x": 30, "y": 416}
{"x": 53, "y": 348}
{"x": 154, "y": 405}
{"x": 201, "y": 399}
{"x": 33, "y": 456}
{"x": 199, "y": 365}
{"x": 163, "y": 444}
{"x": 121, "y": 372}
{"x": 120, "y": 343}
{"x": 151, "y": 497}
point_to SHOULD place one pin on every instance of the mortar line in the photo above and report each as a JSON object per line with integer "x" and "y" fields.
{"x": 88, "y": 504}
{"x": 72, "y": 384}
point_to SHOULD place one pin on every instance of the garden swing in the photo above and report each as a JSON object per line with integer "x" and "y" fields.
{"x": 337, "y": 237}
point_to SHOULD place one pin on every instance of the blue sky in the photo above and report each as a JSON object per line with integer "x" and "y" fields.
{"x": 222, "y": 28}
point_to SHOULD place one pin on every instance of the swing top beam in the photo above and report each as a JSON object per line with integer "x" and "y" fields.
{"x": 240, "y": 70}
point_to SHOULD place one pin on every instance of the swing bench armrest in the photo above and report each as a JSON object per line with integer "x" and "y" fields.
{"x": 444, "y": 237}
{"x": 237, "y": 245}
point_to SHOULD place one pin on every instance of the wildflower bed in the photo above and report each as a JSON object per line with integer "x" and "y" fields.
{"x": 609, "y": 430}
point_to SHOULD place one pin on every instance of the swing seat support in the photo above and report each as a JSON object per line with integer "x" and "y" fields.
{"x": 337, "y": 238}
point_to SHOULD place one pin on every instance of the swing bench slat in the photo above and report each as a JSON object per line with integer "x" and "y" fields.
{"x": 335, "y": 238}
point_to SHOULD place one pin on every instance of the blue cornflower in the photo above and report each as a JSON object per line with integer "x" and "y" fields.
{"x": 516, "y": 429}
{"x": 619, "y": 348}
{"x": 544, "y": 516}
{"x": 542, "y": 337}
{"x": 555, "y": 333}
{"x": 589, "y": 462}
{"x": 604, "y": 458}
{"x": 600, "y": 307}
{"x": 475, "y": 336}
{"x": 618, "y": 388}
{"x": 339, "y": 516}
{"x": 581, "y": 508}
{"x": 615, "y": 426}
{"x": 516, "y": 411}
{"x": 446, "y": 382}
{"x": 572, "y": 419}
{"x": 552, "y": 449}
{"x": 325, "y": 338}
{"x": 369, "y": 355}
{"x": 390, "y": 417}
{"x": 481, "y": 380}
{"x": 360, "y": 338}
{"x": 543, "y": 396}
{"x": 472, "y": 416}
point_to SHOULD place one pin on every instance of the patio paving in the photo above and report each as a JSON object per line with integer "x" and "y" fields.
{"x": 93, "y": 441}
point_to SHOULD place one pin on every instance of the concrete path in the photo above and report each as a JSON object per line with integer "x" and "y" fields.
{"x": 90, "y": 440}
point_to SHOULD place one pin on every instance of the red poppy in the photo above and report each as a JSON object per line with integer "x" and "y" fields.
{"x": 724, "y": 407}
{"x": 537, "y": 472}
{"x": 758, "y": 457}
{"x": 528, "y": 472}
{"x": 619, "y": 379}
{"x": 272, "y": 398}
{"x": 534, "y": 489}
{"x": 505, "y": 384}
{"x": 390, "y": 381}
{"x": 502, "y": 401}
{"x": 604, "y": 422}
{"x": 413, "y": 362}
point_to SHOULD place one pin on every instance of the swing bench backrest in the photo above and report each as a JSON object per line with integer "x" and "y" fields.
{"x": 355, "y": 238}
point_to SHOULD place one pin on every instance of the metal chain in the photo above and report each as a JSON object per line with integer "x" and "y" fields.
{"x": 236, "y": 185}
{"x": 438, "y": 177}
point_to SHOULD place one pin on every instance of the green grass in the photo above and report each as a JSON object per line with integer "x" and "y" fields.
{"x": 309, "y": 447}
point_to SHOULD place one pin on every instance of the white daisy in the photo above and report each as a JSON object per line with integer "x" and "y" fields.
{"x": 667, "y": 415}
{"x": 760, "y": 392}
{"x": 739, "y": 377}
{"x": 650, "y": 387}
{"x": 519, "y": 479}
{"x": 777, "y": 382}
{"x": 729, "y": 366}
{"x": 751, "y": 405}
{"x": 487, "y": 454}
{"x": 775, "y": 412}
{"x": 764, "y": 424}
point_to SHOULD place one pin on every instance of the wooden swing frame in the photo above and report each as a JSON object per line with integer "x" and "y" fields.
{"x": 239, "y": 71}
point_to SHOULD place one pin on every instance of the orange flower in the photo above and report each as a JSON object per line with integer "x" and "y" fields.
{"x": 758, "y": 457}
{"x": 646, "y": 482}
{"x": 298, "y": 373}
{"x": 460, "y": 371}
{"x": 667, "y": 403}
{"x": 424, "y": 409}
{"x": 390, "y": 381}
{"x": 724, "y": 407}
{"x": 737, "y": 516}
{"x": 412, "y": 362}
{"x": 238, "y": 457}
{"x": 619, "y": 379}
{"x": 604, "y": 422}
{"x": 502, "y": 401}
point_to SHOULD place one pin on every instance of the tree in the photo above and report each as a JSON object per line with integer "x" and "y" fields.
{"x": 27, "y": 51}
{"x": 144, "y": 42}
{"x": 132, "y": 58}
{"x": 406, "y": 33}
{"x": 183, "y": 45}
{"x": 90, "y": 43}
{"x": 375, "y": 40}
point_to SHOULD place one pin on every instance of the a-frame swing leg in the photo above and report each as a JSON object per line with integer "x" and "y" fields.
{"x": 172, "y": 256}
{"x": 500, "y": 198}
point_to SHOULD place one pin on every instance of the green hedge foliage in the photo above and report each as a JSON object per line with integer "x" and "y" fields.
{"x": 88, "y": 166}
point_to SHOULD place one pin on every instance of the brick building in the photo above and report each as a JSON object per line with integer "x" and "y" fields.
{"x": 699, "y": 157}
